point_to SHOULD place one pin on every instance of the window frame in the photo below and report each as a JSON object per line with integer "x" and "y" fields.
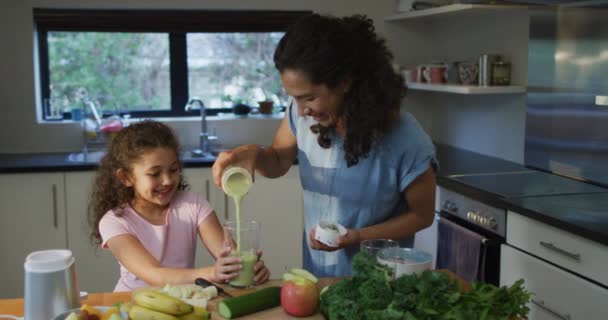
{"x": 176, "y": 23}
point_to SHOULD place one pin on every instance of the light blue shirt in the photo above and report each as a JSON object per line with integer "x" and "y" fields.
{"x": 365, "y": 194}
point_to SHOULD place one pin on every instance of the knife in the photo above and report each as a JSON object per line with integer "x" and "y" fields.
{"x": 206, "y": 283}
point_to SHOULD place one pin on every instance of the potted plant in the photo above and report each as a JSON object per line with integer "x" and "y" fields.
{"x": 267, "y": 104}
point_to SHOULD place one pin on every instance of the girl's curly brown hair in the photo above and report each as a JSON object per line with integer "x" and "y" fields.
{"x": 128, "y": 146}
{"x": 330, "y": 50}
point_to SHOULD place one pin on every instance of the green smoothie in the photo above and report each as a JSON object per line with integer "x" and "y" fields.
{"x": 236, "y": 184}
{"x": 244, "y": 278}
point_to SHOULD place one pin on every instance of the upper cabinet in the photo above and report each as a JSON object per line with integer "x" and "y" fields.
{"x": 461, "y": 33}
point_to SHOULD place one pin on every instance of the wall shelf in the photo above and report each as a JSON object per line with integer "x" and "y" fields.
{"x": 452, "y": 9}
{"x": 463, "y": 89}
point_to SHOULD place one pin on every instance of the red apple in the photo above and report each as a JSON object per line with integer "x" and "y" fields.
{"x": 299, "y": 297}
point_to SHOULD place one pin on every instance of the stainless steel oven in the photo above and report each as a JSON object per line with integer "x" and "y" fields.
{"x": 469, "y": 237}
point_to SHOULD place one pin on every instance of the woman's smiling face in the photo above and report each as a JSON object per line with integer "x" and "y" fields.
{"x": 314, "y": 100}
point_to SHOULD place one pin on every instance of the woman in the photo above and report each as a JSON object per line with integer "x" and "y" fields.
{"x": 363, "y": 163}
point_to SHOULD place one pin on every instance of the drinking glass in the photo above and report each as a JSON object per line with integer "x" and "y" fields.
{"x": 373, "y": 246}
{"x": 243, "y": 241}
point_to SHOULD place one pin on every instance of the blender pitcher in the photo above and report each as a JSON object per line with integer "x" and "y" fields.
{"x": 50, "y": 284}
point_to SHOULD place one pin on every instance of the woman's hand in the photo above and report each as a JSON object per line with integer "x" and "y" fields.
{"x": 351, "y": 238}
{"x": 261, "y": 271}
{"x": 226, "y": 267}
{"x": 245, "y": 156}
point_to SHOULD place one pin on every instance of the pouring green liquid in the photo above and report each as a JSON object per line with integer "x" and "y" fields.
{"x": 236, "y": 185}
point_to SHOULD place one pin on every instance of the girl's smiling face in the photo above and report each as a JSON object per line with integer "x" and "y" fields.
{"x": 154, "y": 177}
{"x": 314, "y": 100}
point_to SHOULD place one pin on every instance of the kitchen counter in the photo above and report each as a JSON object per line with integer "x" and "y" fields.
{"x": 585, "y": 216}
{"x": 584, "y": 213}
{"x": 53, "y": 162}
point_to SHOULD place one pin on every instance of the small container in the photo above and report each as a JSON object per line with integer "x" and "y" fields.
{"x": 328, "y": 232}
{"x": 501, "y": 73}
{"x": 405, "y": 260}
{"x": 236, "y": 181}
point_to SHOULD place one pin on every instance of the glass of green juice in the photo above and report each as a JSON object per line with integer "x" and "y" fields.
{"x": 243, "y": 239}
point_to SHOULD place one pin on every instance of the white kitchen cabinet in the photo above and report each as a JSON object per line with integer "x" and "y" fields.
{"x": 569, "y": 251}
{"x": 557, "y": 294}
{"x": 278, "y": 205}
{"x": 32, "y": 218}
{"x": 97, "y": 269}
{"x": 201, "y": 182}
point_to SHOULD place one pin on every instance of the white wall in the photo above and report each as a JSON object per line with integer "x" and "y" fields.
{"x": 20, "y": 130}
{"x": 492, "y": 124}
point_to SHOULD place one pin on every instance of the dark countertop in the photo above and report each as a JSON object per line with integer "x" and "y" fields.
{"x": 583, "y": 214}
{"x": 53, "y": 162}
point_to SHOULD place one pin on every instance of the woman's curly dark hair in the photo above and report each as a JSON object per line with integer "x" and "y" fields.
{"x": 330, "y": 50}
{"x": 128, "y": 145}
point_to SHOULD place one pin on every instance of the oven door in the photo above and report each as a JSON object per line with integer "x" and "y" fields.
{"x": 468, "y": 250}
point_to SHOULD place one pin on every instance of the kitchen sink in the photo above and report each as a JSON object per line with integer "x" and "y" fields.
{"x": 86, "y": 157}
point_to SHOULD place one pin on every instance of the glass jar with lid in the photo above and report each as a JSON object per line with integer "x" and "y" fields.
{"x": 501, "y": 73}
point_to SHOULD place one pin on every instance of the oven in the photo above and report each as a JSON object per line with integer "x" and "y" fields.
{"x": 469, "y": 236}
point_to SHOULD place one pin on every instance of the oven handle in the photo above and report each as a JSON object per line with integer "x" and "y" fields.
{"x": 490, "y": 243}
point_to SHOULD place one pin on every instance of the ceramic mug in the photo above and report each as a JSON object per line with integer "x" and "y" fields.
{"x": 436, "y": 73}
{"x": 418, "y": 76}
{"x": 407, "y": 75}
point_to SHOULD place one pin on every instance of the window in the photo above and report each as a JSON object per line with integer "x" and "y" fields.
{"x": 148, "y": 63}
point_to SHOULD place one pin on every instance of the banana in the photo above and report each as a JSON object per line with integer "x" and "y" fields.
{"x": 143, "y": 313}
{"x": 161, "y": 302}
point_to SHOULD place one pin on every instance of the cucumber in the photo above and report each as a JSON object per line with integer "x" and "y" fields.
{"x": 249, "y": 303}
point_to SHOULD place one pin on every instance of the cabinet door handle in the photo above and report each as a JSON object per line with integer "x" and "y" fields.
{"x": 55, "y": 218}
{"x": 541, "y": 304}
{"x": 226, "y": 208}
{"x": 551, "y": 246}
{"x": 207, "y": 190}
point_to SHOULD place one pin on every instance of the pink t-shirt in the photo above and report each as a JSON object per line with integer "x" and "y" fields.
{"x": 172, "y": 244}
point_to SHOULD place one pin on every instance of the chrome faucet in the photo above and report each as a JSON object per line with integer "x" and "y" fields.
{"x": 195, "y": 103}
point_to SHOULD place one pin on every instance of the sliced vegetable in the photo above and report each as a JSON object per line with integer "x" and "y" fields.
{"x": 249, "y": 303}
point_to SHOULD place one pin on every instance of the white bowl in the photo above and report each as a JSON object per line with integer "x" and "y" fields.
{"x": 324, "y": 234}
{"x": 405, "y": 260}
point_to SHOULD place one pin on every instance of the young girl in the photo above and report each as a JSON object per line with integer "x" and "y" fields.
{"x": 140, "y": 211}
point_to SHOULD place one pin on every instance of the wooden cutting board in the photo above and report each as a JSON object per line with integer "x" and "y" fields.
{"x": 273, "y": 313}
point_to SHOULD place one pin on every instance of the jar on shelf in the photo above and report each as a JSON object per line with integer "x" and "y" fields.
{"x": 501, "y": 73}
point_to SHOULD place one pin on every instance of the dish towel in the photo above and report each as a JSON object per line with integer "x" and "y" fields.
{"x": 459, "y": 250}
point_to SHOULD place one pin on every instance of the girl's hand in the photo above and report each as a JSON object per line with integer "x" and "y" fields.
{"x": 261, "y": 271}
{"x": 351, "y": 238}
{"x": 226, "y": 267}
